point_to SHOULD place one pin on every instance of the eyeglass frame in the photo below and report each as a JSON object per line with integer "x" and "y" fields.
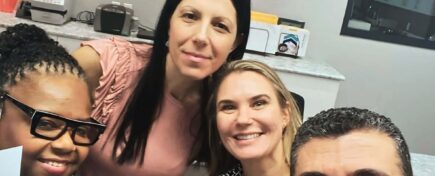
{"x": 34, "y": 117}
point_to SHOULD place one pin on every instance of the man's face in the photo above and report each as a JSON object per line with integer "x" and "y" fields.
{"x": 358, "y": 153}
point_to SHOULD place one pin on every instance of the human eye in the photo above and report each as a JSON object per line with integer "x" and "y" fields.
{"x": 221, "y": 26}
{"x": 82, "y": 131}
{"x": 258, "y": 104}
{"x": 47, "y": 125}
{"x": 227, "y": 108}
{"x": 189, "y": 16}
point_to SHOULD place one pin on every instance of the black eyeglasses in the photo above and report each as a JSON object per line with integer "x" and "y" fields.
{"x": 50, "y": 126}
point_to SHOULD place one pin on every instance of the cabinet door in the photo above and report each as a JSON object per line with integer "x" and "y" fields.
{"x": 69, "y": 44}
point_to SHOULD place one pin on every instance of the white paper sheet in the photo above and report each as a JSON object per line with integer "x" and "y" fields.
{"x": 10, "y": 161}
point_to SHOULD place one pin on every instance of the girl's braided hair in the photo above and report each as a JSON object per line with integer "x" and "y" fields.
{"x": 26, "y": 47}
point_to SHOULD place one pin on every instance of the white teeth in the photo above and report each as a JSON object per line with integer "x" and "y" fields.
{"x": 248, "y": 136}
{"x": 55, "y": 164}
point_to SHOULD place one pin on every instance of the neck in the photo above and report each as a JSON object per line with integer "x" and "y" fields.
{"x": 268, "y": 168}
{"x": 184, "y": 89}
{"x": 271, "y": 165}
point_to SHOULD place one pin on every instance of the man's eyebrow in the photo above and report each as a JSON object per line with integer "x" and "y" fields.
{"x": 312, "y": 173}
{"x": 360, "y": 172}
{"x": 369, "y": 172}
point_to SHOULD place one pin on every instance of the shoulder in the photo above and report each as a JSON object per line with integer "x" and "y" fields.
{"x": 89, "y": 60}
{"x": 113, "y": 44}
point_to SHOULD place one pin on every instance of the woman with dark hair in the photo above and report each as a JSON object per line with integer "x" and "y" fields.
{"x": 152, "y": 97}
{"x": 45, "y": 105}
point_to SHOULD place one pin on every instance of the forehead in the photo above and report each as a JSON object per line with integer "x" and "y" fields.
{"x": 60, "y": 93}
{"x": 357, "y": 150}
{"x": 245, "y": 83}
{"x": 220, "y": 8}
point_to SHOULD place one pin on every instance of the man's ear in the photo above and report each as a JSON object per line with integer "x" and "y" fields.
{"x": 238, "y": 41}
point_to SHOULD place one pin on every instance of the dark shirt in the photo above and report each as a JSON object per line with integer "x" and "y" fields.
{"x": 236, "y": 171}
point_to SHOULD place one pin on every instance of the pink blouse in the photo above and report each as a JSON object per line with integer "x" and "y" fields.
{"x": 170, "y": 139}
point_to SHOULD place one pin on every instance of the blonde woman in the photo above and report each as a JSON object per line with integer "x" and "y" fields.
{"x": 253, "y": 121}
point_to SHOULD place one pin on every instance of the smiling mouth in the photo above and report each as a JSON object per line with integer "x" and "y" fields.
{"x": 55, "y": 167}
{"x": 247, "y": 136}
{"x": 55, "y": 164}
{"x": 195, "y": 56}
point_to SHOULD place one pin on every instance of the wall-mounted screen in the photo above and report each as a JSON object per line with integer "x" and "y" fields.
{"x": 408, "y": 22}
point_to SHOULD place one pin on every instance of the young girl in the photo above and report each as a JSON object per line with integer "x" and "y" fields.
{"x": 44, "y": 103}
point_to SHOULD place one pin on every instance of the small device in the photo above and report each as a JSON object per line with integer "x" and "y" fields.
{"x": 51, "y": 11}
{"x": 113, "y": 19}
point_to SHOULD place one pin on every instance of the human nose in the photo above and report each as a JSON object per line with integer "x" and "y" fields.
{"x": 64, "y": 144}
{"x": 201, "y": 35}
{"x": 245, "y": 116}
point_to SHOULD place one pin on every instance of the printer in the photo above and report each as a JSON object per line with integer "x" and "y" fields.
{"x": 51, "y": 11}
{"x": 113, "y": 19}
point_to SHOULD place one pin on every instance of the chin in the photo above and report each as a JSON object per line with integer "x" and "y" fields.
{"x": 197, "y": 78}
{"x": 247, "y": 155}
{"x": 195, "y": 75}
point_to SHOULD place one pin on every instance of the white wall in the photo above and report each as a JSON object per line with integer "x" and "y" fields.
{"x": 394, "y": 80}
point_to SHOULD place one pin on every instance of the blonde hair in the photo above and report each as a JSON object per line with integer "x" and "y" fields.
{"x": 221, "y": 160}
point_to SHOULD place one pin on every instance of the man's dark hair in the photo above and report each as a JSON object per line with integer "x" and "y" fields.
{"x": 341, "y": 121}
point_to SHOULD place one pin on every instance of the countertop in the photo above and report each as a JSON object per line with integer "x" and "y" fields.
{"x": 305, "y": 66}
{"x": 80, "y": 31}
{"x": 74, "y": 30}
